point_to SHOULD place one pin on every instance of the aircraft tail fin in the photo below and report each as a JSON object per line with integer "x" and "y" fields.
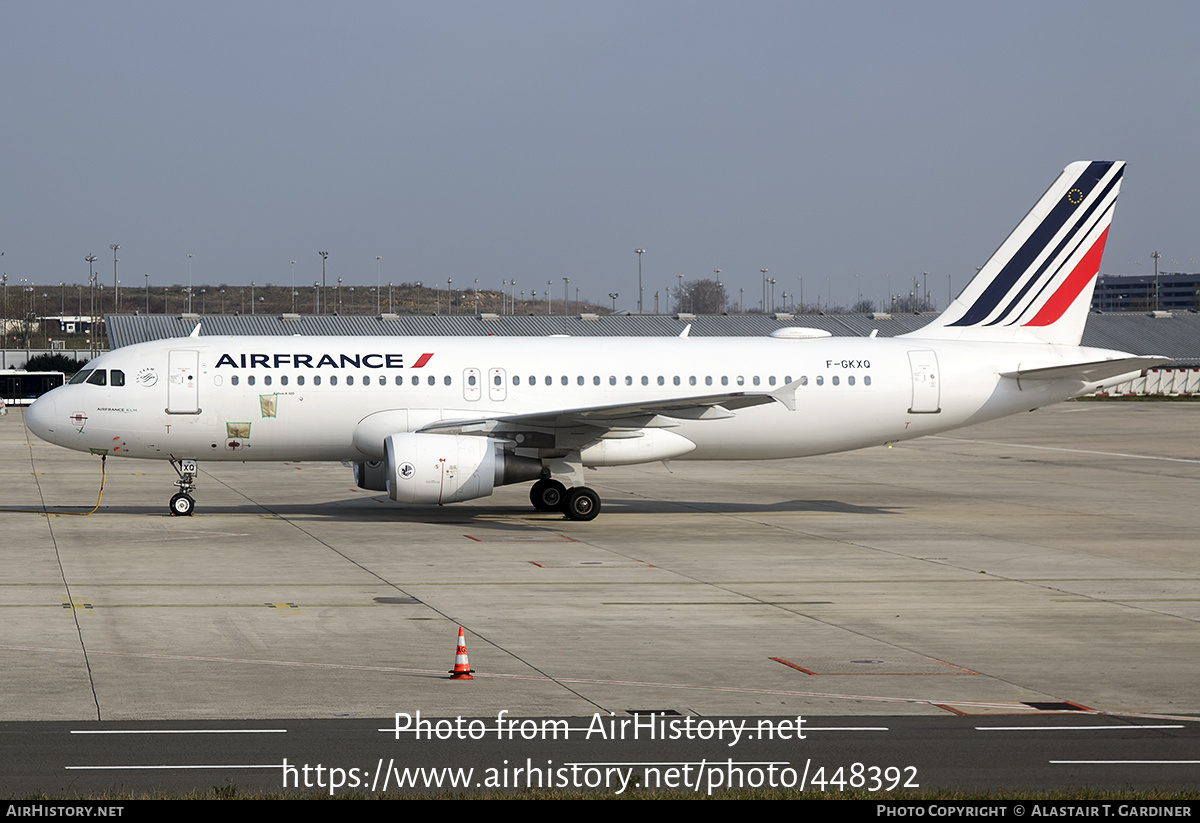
{"x": 1037, "y": 286}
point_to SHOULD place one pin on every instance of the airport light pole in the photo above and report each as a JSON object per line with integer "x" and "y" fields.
{"x": 614, "y": 295}
{"x": 293, "y": 287}
{"x": 566, "y": 295}
{"x": 189, "y": 284}
{"x": 639, "y": 253}
{"x": 763, "y": 305}
{"x": 91, "y": 259}
{"x": 147, "y": 292}
{"x": 378, "y": 281}
{"x": 324, "y": 256}
{"x": 114, "y": 248}
{"x": 1156, "y": 255}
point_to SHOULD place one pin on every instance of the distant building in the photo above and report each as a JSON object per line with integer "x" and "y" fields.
{"x": 1135, "y": 292}
{"x": 70, "y": 324}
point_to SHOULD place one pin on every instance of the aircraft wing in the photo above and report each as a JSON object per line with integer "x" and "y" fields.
{"x": 623, "y": 416}
{"x": 1092, "y": 372}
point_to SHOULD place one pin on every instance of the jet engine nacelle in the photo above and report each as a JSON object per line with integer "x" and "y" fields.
{"x": 450, "y": 468}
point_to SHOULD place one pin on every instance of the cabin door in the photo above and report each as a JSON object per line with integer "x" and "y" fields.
{"x": 183, "y": 395}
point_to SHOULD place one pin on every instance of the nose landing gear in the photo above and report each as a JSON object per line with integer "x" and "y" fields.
{"x": 182, "y": 503}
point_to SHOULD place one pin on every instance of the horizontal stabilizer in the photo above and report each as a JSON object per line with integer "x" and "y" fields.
{"x": 1090, "y": 372}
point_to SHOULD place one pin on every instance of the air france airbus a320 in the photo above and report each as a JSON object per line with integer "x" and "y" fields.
{"x": 446, "y": 419}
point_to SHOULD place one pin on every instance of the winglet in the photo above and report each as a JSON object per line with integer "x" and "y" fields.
{"x": 787, "y": 394}
{"x": 685, "y": 331}
{"x": 195, "y": 331}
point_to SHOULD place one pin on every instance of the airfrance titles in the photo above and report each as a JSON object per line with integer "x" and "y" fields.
{"x": 302, "y": 360}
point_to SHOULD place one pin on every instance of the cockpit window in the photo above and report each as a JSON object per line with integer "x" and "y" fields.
{"x": 80, "y": 376}
{"x": 99, "y": 378}
{"x": 118, "y": 377}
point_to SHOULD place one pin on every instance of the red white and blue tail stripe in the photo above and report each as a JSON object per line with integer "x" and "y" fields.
{"x": 1038, "y": 284}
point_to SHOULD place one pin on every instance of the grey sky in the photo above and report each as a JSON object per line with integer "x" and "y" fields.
{"x": 537, "y": 140}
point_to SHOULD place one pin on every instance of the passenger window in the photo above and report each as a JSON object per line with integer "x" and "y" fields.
{"x": 803, "y": 380}
{"x": 836, "y": 380}
{"x": 349, "y": 380}
{"x": 708, "y": 380}
{"x": 771, "y": 380}
{"x": 118, "y": 377}
{"x": 756, "y": 379}
{"x": 99, "y": 378}
{"x": 724, "y": 380}
{"x": 470, "y": 380}
{"x": 692, "y": 380}
{"x": 250, "y": 380}
{"x": 300, "y": 380}
{"x": 432, "y": 380}
{"x": 645, "y": 380}
{"x": 629, "y": 380}
{"x": 283, "y": 380}
{"x": 660, "y": 380}
{"x": 676, "y": 380}
{"x": 446, "y": 380}
{"x": 496, "y": 381}
{"x": 332, "y": 380}
{"x": 596, "y": 380}
{"x": 867, "y": 380}
{"x": 563, "y": 380}
{"x": 741, "y": 381}
{"x": 850, "y": 380}
{"x": 820, "y": 380}
{"x": 233, "y": 380}
{"x": 516, "y": 379}
{"x": 267, "y": 380}
{"x": 316, "y": 380}
{"x": 612, "y": 380}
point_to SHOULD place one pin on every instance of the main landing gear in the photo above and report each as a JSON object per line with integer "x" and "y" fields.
{"x": 182, "y": 504}
{"x": 579, "y": 503}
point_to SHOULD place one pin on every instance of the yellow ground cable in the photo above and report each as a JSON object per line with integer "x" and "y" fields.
{"x": 103, "y": 458}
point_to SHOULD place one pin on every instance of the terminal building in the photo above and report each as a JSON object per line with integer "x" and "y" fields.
{"x": 1146, "y": 292}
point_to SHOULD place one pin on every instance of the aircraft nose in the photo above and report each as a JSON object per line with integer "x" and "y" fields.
{"x": 41, "y": 417}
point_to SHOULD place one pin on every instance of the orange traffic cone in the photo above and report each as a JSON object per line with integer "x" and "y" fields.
{"x": 462, "y": 669}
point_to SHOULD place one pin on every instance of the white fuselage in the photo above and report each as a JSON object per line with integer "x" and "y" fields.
{"x": 304, "y": 398}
